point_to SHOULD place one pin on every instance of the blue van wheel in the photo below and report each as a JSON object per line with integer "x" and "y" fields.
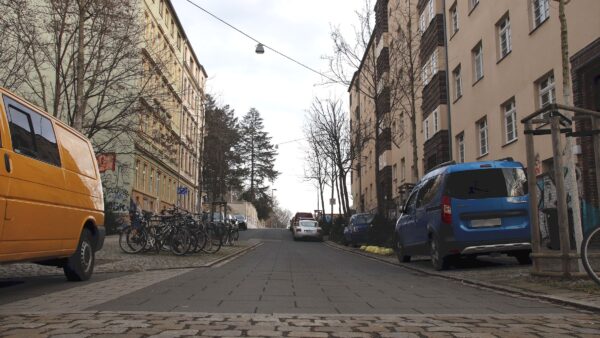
{"x": 438, "y": 259}
{"x": 401, "y": 252}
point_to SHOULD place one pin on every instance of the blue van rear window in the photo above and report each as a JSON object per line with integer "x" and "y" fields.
{"x": 488, "y": 183}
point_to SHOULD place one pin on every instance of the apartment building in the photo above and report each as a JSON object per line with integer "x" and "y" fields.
{"x": 484, "y": 65}
{"x": 505, "y": 63}
{"x": 159, "y": 167}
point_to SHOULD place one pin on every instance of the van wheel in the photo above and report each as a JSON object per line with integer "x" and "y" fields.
{"x": 438, "y": 260}
{"x": 401, "y": 252}
{"x": 80, "y": 265}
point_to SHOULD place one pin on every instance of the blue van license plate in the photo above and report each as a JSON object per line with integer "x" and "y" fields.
{"x": 486, "y": 223}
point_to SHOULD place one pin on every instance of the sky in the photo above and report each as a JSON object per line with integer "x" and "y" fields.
{"x": 279, "y": 89}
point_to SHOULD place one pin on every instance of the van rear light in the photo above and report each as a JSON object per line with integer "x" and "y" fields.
{"x": 446, "y": 210}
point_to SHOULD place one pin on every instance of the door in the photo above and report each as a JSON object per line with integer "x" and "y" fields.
{"x": 35, "y": 200}
{"x": 4, "y": 167}
{"x": 407, "y": 221}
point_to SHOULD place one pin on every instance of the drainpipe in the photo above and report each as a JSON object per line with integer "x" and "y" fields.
{"x": 450, "y": 152}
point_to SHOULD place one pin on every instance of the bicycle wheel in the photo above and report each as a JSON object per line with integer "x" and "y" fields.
{"x": 214, "y": 240}
{"x": 201, "y": 240}
{"x": 136, "y": 239}
{"x": 590, "y": 254}
{"x": 123, "y": 240}
{"x": 236, "y": 234}
{"x": 180, "y": 241}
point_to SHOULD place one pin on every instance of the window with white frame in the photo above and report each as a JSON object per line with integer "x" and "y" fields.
{"x": 453, "y": 19}
{"x": 457, "y": 78}
{"x": 422, "y": 23}
{"x": 547, "y": 90}
{"x": 436, "y": 121}
{"x": 477, "y": 62}
{"x": 460, "y": 146}
{"x": 540, "y": 10}
{"x": 510, "y": 120}
{"x": 504, "y": 36}
{"x": 430, "y": 10}
{"x": 430, "y": 68}
{"x": 482, "y": 128}
{"x": 426, "y": 129}
{"x": 395, "y": 172}
{"x": 473, "y": 4}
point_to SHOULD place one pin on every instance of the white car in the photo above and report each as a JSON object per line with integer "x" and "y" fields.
{"x": 308, "y": 229}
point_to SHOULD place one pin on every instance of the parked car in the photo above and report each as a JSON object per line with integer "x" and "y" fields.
{"x": 51, "y": 200}
{"x": 355, "y": 232}
{"x": 307, "y": 228}
{"x": 241, "y": 221}
{"x": 300, "y": 216}
{"x": 466, "y": 209}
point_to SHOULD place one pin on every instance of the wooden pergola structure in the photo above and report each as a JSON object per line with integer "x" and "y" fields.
{"x": 559, "y": 124}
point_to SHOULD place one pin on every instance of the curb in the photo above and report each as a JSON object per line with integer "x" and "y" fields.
{"x": 231, "y": 256}
{"x": 473, "y": 282}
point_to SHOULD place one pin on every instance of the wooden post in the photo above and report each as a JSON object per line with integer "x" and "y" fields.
{"x": 534, "y": 224}
{"x": 596, "y": 127}
{"x": 561, "y": 197}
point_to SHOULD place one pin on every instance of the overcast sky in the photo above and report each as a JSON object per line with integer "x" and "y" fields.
{"x": 279, "y": 89}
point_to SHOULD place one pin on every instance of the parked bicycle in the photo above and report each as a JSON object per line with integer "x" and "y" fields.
{"x": 590, "y": 254}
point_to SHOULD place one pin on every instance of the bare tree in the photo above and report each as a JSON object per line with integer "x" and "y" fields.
{"x": 390, "y": 81}
{"x": 316, "y": 168}
{"x": 14, "y": 67}
{"x": 330, "y": 127}
{"x": 92, "y": 64}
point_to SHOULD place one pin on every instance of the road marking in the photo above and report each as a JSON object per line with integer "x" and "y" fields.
{"x": 92, "y": 294}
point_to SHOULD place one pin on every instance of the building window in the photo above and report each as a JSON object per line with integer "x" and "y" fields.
{"x": 436, "y": 122}
{"x": 510, "y": 120}
{"x": 426, "y": 129}
{"x": 473, "y": 4}
{"x": 504, "y": 36}
{"x": 137, "y": 174}
{"x": 453, "y": 19}
{"x": 547, "y": 91}
{"x": 143, "y": 185}
{"x": 477, "y": 62}
{"x": 430, "y": 10}
{"x": 430, "y": 68}
{"x": 161, "y": 6}
{"x": 157, "y": 190}
{"x": 541, "y": 11}
{"x": 457, "y": 78}
{"x": 394, "y": 172}
{"x": 483, "y": 136}
{"x": 460, "y": 146}
{"x": 151, "y": 182}
{"x": 402, "y": 169}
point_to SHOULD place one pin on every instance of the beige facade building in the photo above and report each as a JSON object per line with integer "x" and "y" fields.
{"x": 161, "y": 168}
{"x": 484, "y": 66}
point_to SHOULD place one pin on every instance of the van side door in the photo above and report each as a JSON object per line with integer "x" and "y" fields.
{"x": 35, "y": 199}
{"x": 407, "y": 220}
{"x": 427, "y": 210}
{"x": 5, "y": 165}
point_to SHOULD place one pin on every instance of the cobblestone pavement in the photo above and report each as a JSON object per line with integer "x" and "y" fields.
{"x": 503, "y": 272}
{"x": 81, "y": 297}
{"x": 112, "y": 259}
{"x": 153, "y": 324}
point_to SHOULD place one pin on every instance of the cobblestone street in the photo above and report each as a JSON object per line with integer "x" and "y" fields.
{"x": 280, "y": 288}
{"x": 153, "y": 324}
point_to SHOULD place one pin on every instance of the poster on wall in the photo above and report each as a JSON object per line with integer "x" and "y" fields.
{"x": 106, "y": 161}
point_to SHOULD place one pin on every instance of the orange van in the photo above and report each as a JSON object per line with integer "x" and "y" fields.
{"x": 51, "y": 202}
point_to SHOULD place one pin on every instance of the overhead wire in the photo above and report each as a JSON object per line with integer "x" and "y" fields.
{"x": 255, "y": 40}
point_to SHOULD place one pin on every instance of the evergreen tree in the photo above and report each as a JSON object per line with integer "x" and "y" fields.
{"x": 222, "y": 170}
{"x": 258, "y": 155}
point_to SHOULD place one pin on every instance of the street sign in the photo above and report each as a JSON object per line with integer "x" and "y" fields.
{"x": 182, "y": 191}
{"x": 332, "y": 201}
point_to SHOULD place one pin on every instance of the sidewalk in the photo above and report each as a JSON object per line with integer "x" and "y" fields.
{"x": 112, "y": 259}
{"x": 504, "y": 275}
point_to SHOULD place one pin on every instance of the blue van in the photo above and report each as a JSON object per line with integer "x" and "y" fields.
{"x": 466, "y": 209}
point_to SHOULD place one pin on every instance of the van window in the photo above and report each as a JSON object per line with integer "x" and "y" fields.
{"x": 488, "y": 183}
{"x": 77, "y": 156}
{"x": 428, "y": 191}
{"x": 32, "y": 134}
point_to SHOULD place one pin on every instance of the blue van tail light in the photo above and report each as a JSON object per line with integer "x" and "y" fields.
{"x": 446, "y": 210}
